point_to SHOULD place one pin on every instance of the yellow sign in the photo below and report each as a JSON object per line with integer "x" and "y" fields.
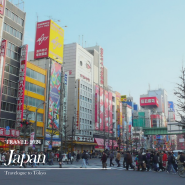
{"x": 56, "y": 42}
{"x": 124, "y": 98}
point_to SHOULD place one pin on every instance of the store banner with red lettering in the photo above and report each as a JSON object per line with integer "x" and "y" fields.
{"x": 2, "y": 131}
{"x": 101, "y": 109}
{"x": 101, "y": 68}
{"x": 2, "y": 65}
{"x": 110, "y": 112}
{"x": 2, "y": 6}
{"x": 97, "y": 113}
{"x": 21, "y": 86}
{"x": 106, "y": 111}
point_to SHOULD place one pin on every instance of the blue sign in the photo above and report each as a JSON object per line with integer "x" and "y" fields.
{"x": 7, "y": 128}
{"x": 49, "y": 147}
{"x": 118, "y": 130}
{"x": 171, "y": 106}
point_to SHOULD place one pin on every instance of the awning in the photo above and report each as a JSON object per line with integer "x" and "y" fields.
{"x": 85, "y": 143}
{"x": 100, "y": 143}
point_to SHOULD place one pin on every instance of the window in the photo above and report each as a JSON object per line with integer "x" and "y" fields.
{"x": 14, "y": 17}
{"x": 81, "y": 63}
{"x": 40, "y": 117}
{"x": 35, "y": 75}
{"x": 13, "y": 52}
{"x": 39, "y": 130}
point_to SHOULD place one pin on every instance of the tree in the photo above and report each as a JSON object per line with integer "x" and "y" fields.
{"x": 180, "y": 94}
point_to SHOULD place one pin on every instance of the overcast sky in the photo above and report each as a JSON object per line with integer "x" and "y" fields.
{"x": 143, "y": 40}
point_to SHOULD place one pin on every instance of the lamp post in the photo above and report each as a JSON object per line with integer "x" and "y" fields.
{"x": 35, "y": 126}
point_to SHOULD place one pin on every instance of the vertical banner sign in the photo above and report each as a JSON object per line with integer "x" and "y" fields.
{"x": 101, "y": 109}
{"x": 78, "y": 107}
{"x": 66, "y": 76}
{"x": 2, "y": 6}
{"x": 110, "y": 113}
{"x": 2, "y": 64}
{"x": 54, "y": 97}
{"x": 106, "y": 112}
{"x": 97, "y": 112}
{"x": 21, "y": 86}
{"x": 101, "y": 68}
{"x": 121, "y": 124}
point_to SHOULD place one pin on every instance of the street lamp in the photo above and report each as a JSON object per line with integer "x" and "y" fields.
{"x": 35, "y": 126}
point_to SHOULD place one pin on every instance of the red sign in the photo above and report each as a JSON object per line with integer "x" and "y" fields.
{"x": 84, "y": 77}
{"x": 101, "y": 67}
{"x": 147, "y": 101}
{"x": 10, "y": 132}
{"x": 21, "y": 88}
{"x": 2, "y": 6}
{"x": 42, "y": 40}
{"x": 97, "y": 104}
{"x": 2, "y": 64}
{"x": 2, "y": 131}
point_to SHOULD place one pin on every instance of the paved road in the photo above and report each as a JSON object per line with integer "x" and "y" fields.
{"x": 94, "y": 175}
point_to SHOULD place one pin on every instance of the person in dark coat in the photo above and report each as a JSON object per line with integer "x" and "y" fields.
{"x": 156, "y": 162}
{"x": 129, "y": 161}
{"x": 78, "y": 157}
{"x": 140, "y": 161}
{"x": 104, "y": 159}
{"x": 60, "y": 159}
{"x": 111, "y": 158}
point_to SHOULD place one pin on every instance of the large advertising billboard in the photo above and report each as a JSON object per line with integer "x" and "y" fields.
{"x": 21, "y": 86}
{"x": 106, "y": 111}
{"x": 54, "y": 96}
{"x": 129, "y": 118}
{"x": 78, "y": 106}
{"x": 124, "y": 98}
{"x": 97, "y": 105}
{"x": 49, "y": 41}
{"x": 147, "y": 101}
{"x": 110, "y": 112}
{"x": 101, "y": 109}
{"x": 2, "y": 65}
{"x": 2, "y": 6}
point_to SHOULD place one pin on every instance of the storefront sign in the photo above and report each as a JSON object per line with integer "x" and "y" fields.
{"x": 21, "y": 87}
{"x": 101, "y": 68}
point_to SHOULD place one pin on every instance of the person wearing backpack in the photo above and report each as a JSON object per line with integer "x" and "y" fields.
{"x": 170, "y": 163}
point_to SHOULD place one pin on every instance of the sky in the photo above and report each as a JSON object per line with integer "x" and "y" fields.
{"x": 143, "y": 40}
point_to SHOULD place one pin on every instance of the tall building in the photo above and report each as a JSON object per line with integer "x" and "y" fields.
{"x": 12, "y": 25}
{"x": 79, "y": 62}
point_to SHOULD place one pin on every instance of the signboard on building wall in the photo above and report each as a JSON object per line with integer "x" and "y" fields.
{"x": 49, "y": 41}
{"x": 97, "y": 105}
{"x": 101, "y": 109}
{"x": 171, "y": 106}
{"x": 78, "y": 106}
{"x": 121, "y": 119}
{"x": 110, "y": 112}
{"x": 147, "y": 101}
{"x": 129, "y": 118}
{"x": 54, "y": 95}
{"x": 2, "y": 65}
{"x": 66, "y": 76}
{"x": 123, "y": 97}
{"x": 101, "y": 68}
{"x": 2, "y": 6}
{"x": 21, "y": 85}
{"x": 106, "y": 111}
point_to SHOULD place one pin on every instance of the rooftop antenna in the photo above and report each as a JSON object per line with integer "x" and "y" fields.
{"x": 82, "y": 41}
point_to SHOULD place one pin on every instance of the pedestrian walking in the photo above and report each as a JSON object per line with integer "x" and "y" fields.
{"x": 118, "y": 157}
{"x": 170, "y": 163}
{"x": 104, "y": 160}
{"x": 84, "y": 157}
{"x": 111, "y": 158}
{"x": 129, "y": 161}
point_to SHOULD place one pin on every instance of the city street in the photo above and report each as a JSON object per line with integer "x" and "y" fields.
{"x": 93, "y": 175}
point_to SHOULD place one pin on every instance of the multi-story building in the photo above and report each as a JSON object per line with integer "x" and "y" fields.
{"x": 12, "y": 24}
{"x": 35, "y": 96}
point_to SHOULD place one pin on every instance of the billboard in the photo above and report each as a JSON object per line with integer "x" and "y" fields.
{"x": 2, "y": 6}
{"x": 123, "y": 97}
{"x": 97, "y": 102}
{"x": 78, "y": 106}
{"x": 2, "y": 65}
{"x": 21, "y": 86}
{"x": 106, "y": 111}
{"x": 110, "y": 112}
{"x": 118, "y": 99}
{"x": 54, "y": 96}
{"x": 147, "y": 101}
{"x": 171, "y": 106}
{"x": 49, "y": 41}
{"x": 120, "y": 105}
{"x": 101, "y": 109}
{"x": 129, "y": 118}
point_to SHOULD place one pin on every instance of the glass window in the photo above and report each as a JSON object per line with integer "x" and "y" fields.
{"x": 30, "y": 87}
{"x": 12, "y": 92}
{"x": 31, "y": 73}
{"x": 12, "y": 55}
{"x": 17, "y": 35}
{"x": 8, "y": 53}
{"x": 12, "y": 16}
{"x": 11, "y": 70}
{"x": 13, "y": 47}
{"x": 14, "y": 33}
{"x": 34, "y": 88}
{"x": 39, "y": 117}
{"x": 4, "y": 27}
{"x": 11, "y": 31}
{"x": 9, "y": 14}
{"x": 28, "y": 72}
{"x": 6, "y": 67}
{"x": 5, "y": 82}
{"x": 7, "y": 107}
{"x": 42, "y": 91}
{"x": 15, "y": 18}
{"x": 3, "y": 105}
{"x": 4, "y": 90}
{"x": 20, "y": 36}
{"x": 15, "y": 93}
{"x": 6, "y": 12}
